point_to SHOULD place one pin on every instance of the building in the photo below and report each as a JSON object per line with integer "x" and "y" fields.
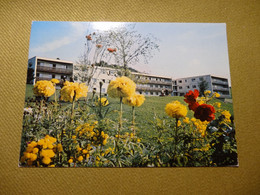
{"x": 152, "y": 85}
{"x": 215, "y": 84}
{"x": 46, "y": 69}
{"x": 145, "y": 84}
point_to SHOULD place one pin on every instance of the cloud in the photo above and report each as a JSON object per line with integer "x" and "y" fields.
{"x": 77, "y": 31}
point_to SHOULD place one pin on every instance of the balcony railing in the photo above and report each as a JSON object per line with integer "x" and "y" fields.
{"x": 54, "y": 70}
{"x": 152, "y": 89}
{"x": 155, "y": 82}
{"x": 219, "y": 82}
{"x": 217, "y": 88}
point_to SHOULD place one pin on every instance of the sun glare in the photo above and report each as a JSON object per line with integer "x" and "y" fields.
{"x": 105, "y": 26}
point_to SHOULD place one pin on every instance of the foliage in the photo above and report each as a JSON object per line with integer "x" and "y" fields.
{"x": 95, "y": 133}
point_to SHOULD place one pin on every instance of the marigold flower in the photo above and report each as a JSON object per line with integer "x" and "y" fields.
{"x": 186, "y": 120}
{"x": 218, "y": 104}
{"x": 44, "y": 88}
{"x": 56, "y": 81}
{"x": 46, "y": 160}
{"x": 121, "y": 87}
{"x": 205, "y": 112}
{"x": 60, "y": 148}
{"x": 176, "y": 110}
{"x": 207, "y": 92}
{"x": 71, "y": 89}
{"x": 135, "y": 100}
{"x": 216, "y": 94}
{"x": 103, "y": 101}
{"x": 33, "y": 157}
{"x": 191, "y": 96}
{"x": 70, "y": 160}
{"x": 35, "y": 150}
{"x": 80, "y": 158}
{"x": 73, "y": 137}
{"x": 227, "y": 115}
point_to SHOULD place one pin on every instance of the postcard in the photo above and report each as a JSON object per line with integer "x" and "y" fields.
{"x": 118, "y": 94}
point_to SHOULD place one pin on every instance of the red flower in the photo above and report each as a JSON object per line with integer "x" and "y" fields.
{"x": 88, "y": 37}
{"x": 205, "y": 112}
{"x": 111, "y": 50}
{"x": 193, "y": 106}
{"x": 191, "y": 96}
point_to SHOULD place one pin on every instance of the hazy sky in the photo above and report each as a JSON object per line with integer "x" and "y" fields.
{"x": 186, "y": 49}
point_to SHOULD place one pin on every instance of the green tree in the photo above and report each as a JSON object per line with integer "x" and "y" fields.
{"x": 203, "y": 85}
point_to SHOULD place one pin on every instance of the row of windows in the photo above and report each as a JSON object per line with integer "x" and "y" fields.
{"x": 154, "y": 86}
{"x": 50, "y": 65}
{"x": 49, "y": 76}
{"x": 153, "y": 78}
{"x": 189, "y": 87}
{"x": 193, "y": 79}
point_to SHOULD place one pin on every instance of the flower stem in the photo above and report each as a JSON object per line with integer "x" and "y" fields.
{"x": 133, "y": 119}
{"x": 176, "y": 136}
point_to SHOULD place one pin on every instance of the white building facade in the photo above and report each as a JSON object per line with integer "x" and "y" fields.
{"x": 215, "y": 84}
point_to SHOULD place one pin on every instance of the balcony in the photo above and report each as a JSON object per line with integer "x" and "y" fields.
{"x": 218, "y": 88}
{"x": 152, "y": 89}
{"x": 45, "y": 78}
{"x": 155, "y": 82}
{"x": 215, "y": 81}
{"x": 54, "y": 70}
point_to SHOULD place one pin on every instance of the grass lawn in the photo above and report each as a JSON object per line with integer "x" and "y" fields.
{"x": 144, "y": 113}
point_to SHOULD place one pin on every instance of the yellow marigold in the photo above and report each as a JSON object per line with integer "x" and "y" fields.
{"x": 103, "y": 101}
{"x": 104, "y": 142}
{"x": 216, "y": 94}
{"x": 33, "y": 143}
{"x": 201, "y": 102}
{"x": 73, "y": 137}
{"x": 59, "y": 147}
{"x": 227, "y": 115}
{"x": 179, "y": 123}
{"x": 80, "y": 158}
{"x": 121, "y": 87}
{"x": 56, "y": 81}
{"x": 33, "y": 157}
{"x": 70, "y": 160}
{"x": 207, "y": 92}
{"x": 71, "y": 89}
{"x": 84, "y": 151}
{"x": 186, "y": 120}
{"x": 41, "y": 142}
{"x": 43, "y": 88}
{"x": 46, "y": 160}
{"x": 51, "y": 166}
{"x": 138, "y": 140}
{"x": 135, "y": 100}
{"x": 47, "y": 153}
{"x": 218, "y": 104}
{"x": 176, "y": 110}
{"x": 35, "y": 150}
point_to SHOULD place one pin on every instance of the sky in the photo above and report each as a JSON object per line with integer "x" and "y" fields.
{"x": 186, "y": 49}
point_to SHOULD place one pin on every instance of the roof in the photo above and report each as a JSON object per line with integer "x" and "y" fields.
{"x": 52, "y": 60}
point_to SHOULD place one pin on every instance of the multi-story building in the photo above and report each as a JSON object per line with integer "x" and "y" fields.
{"x": 46, "y": 69}
{"x": 215, "y": 84}
{"x": 153, "y": 85}
{"x": 145, "y": 84}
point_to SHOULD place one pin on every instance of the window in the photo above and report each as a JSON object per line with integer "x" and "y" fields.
{"x": 185, "y": 80}
{"x": 103, "y": 90}
{"x": 201, "y": 78}
{"x": 151, "y": 93}
{"x": 146, "y": 93}
{"x": 180, "y": 87}
{"x": 180, "y": 81}
{"x": 37, "y": 74}
{"x": 188, "y": 87}
{"x": 156, "y": 93}
{"x": 53, "y": 76}
{"x": 193, "y": 79}
{"x": 193, "y": 86}
{"x": 104, "y": 80}
{"x": 156, "y": 86}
